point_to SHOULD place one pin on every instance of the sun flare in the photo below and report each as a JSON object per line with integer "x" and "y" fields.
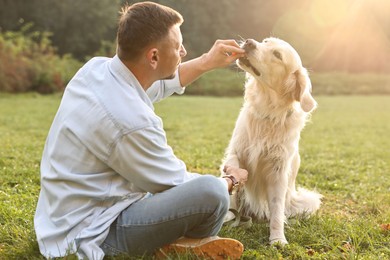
{"x": 328, "y": 12}
{"x": 339, "y": 35}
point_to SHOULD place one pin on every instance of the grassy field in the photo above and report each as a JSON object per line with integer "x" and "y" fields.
{"x": 345, "y": 156}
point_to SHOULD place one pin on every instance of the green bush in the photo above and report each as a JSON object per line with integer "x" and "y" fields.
{"x": 220, "y": 82}
{"x": 338, "y": 83}
{"x": 230, "y": 82}
{"x": 28, "y": 62}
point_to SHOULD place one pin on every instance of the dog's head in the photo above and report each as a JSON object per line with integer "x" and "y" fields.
{"x": 275, "y": 64}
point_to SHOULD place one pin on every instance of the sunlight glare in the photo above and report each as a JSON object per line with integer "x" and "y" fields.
{"x": 329, "y": 12}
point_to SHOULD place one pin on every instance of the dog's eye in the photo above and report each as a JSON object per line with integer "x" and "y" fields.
{"x": 277, "y": 55}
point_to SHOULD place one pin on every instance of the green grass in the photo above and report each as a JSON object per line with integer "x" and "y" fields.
{"x": 345, "y": 156}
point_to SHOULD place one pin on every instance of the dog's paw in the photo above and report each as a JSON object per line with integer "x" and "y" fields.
{"x": 278, "y": 242}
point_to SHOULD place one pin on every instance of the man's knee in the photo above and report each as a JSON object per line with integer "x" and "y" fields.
{"x": 213, "y": 190}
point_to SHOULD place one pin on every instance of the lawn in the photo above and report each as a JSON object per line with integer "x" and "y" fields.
{"x": 345, "y": 156}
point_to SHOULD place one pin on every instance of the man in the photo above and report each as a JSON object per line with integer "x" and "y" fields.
{"x": 110, "y": 184}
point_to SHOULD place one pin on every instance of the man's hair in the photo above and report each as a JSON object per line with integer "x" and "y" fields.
{"x": 142, "y": 24}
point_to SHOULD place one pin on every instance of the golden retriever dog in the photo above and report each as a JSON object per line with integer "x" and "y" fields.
{"x": 265, "y": 140}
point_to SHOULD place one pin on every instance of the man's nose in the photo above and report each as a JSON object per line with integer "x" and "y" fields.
{"x": 249, "y": 45}
{"x": 183, "y": 51}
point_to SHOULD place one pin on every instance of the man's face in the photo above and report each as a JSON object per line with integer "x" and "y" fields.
{"x": 171, "y": 52}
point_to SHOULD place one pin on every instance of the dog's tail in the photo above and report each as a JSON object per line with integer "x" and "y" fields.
{"x": 303, "y": 202}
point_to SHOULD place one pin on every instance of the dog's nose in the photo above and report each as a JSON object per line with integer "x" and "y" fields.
{"x": 249, "y": 45}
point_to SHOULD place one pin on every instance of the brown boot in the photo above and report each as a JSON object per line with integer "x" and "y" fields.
{"x": 208, "y": 248}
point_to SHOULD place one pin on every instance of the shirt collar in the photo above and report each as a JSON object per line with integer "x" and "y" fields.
{"x": 120, "y": 69}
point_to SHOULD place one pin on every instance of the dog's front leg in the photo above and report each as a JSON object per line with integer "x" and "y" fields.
{"x": 276, "y": 192}
{"x": 231, "y": 160}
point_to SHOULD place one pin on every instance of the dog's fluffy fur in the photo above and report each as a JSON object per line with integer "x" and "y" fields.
{"x": 266, "y": 136}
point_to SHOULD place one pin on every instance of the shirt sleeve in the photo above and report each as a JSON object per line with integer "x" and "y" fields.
{"x": 144, "y": 158}
{"x": 164, "y": 88}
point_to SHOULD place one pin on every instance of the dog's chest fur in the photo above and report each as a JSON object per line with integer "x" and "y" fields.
{"x": 270, "y": 137}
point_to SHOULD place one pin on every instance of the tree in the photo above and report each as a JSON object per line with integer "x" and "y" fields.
{"x": 204, "y": 21}
{"x": 77, "y": 27}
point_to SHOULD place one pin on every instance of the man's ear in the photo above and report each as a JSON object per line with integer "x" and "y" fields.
{"x": 153, "y": 57}
{"x": 302, "y": 92}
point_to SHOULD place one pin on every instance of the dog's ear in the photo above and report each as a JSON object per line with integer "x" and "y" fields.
{"x": 302, "y": 90}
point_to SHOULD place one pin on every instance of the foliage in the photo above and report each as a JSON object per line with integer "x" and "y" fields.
{"x": 332, "y": 39}
{"x": 221, "y": 82}
{"x": 77, "y": 27}
{"x": 28, "y": 62}
{"x": 107, "y": 49}
{"x": 230, "y": 82}
{"x": 344, "y": 151}
{"x": 337, "y": 83}
{"x": 329, "y": 35}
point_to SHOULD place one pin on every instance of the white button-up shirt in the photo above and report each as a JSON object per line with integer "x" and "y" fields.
{"x": 105, "y": 150}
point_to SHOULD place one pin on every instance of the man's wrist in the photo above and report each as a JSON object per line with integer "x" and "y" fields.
{"x": 204, "y": 65}
{"x": 229, "y": 183}
{"x": 232, "y": 183}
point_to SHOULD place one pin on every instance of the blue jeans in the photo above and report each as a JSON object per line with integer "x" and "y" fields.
{"x": 194, "y": 209}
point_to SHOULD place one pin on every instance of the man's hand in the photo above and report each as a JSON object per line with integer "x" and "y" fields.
{"x": 221, "y": 54}
{"x": 240, "y": 174}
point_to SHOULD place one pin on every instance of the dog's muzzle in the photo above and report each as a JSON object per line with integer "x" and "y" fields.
{"x": 248, "y": 46}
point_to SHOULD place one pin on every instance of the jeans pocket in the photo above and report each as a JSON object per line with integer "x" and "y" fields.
{"x": 110, "y": 250}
